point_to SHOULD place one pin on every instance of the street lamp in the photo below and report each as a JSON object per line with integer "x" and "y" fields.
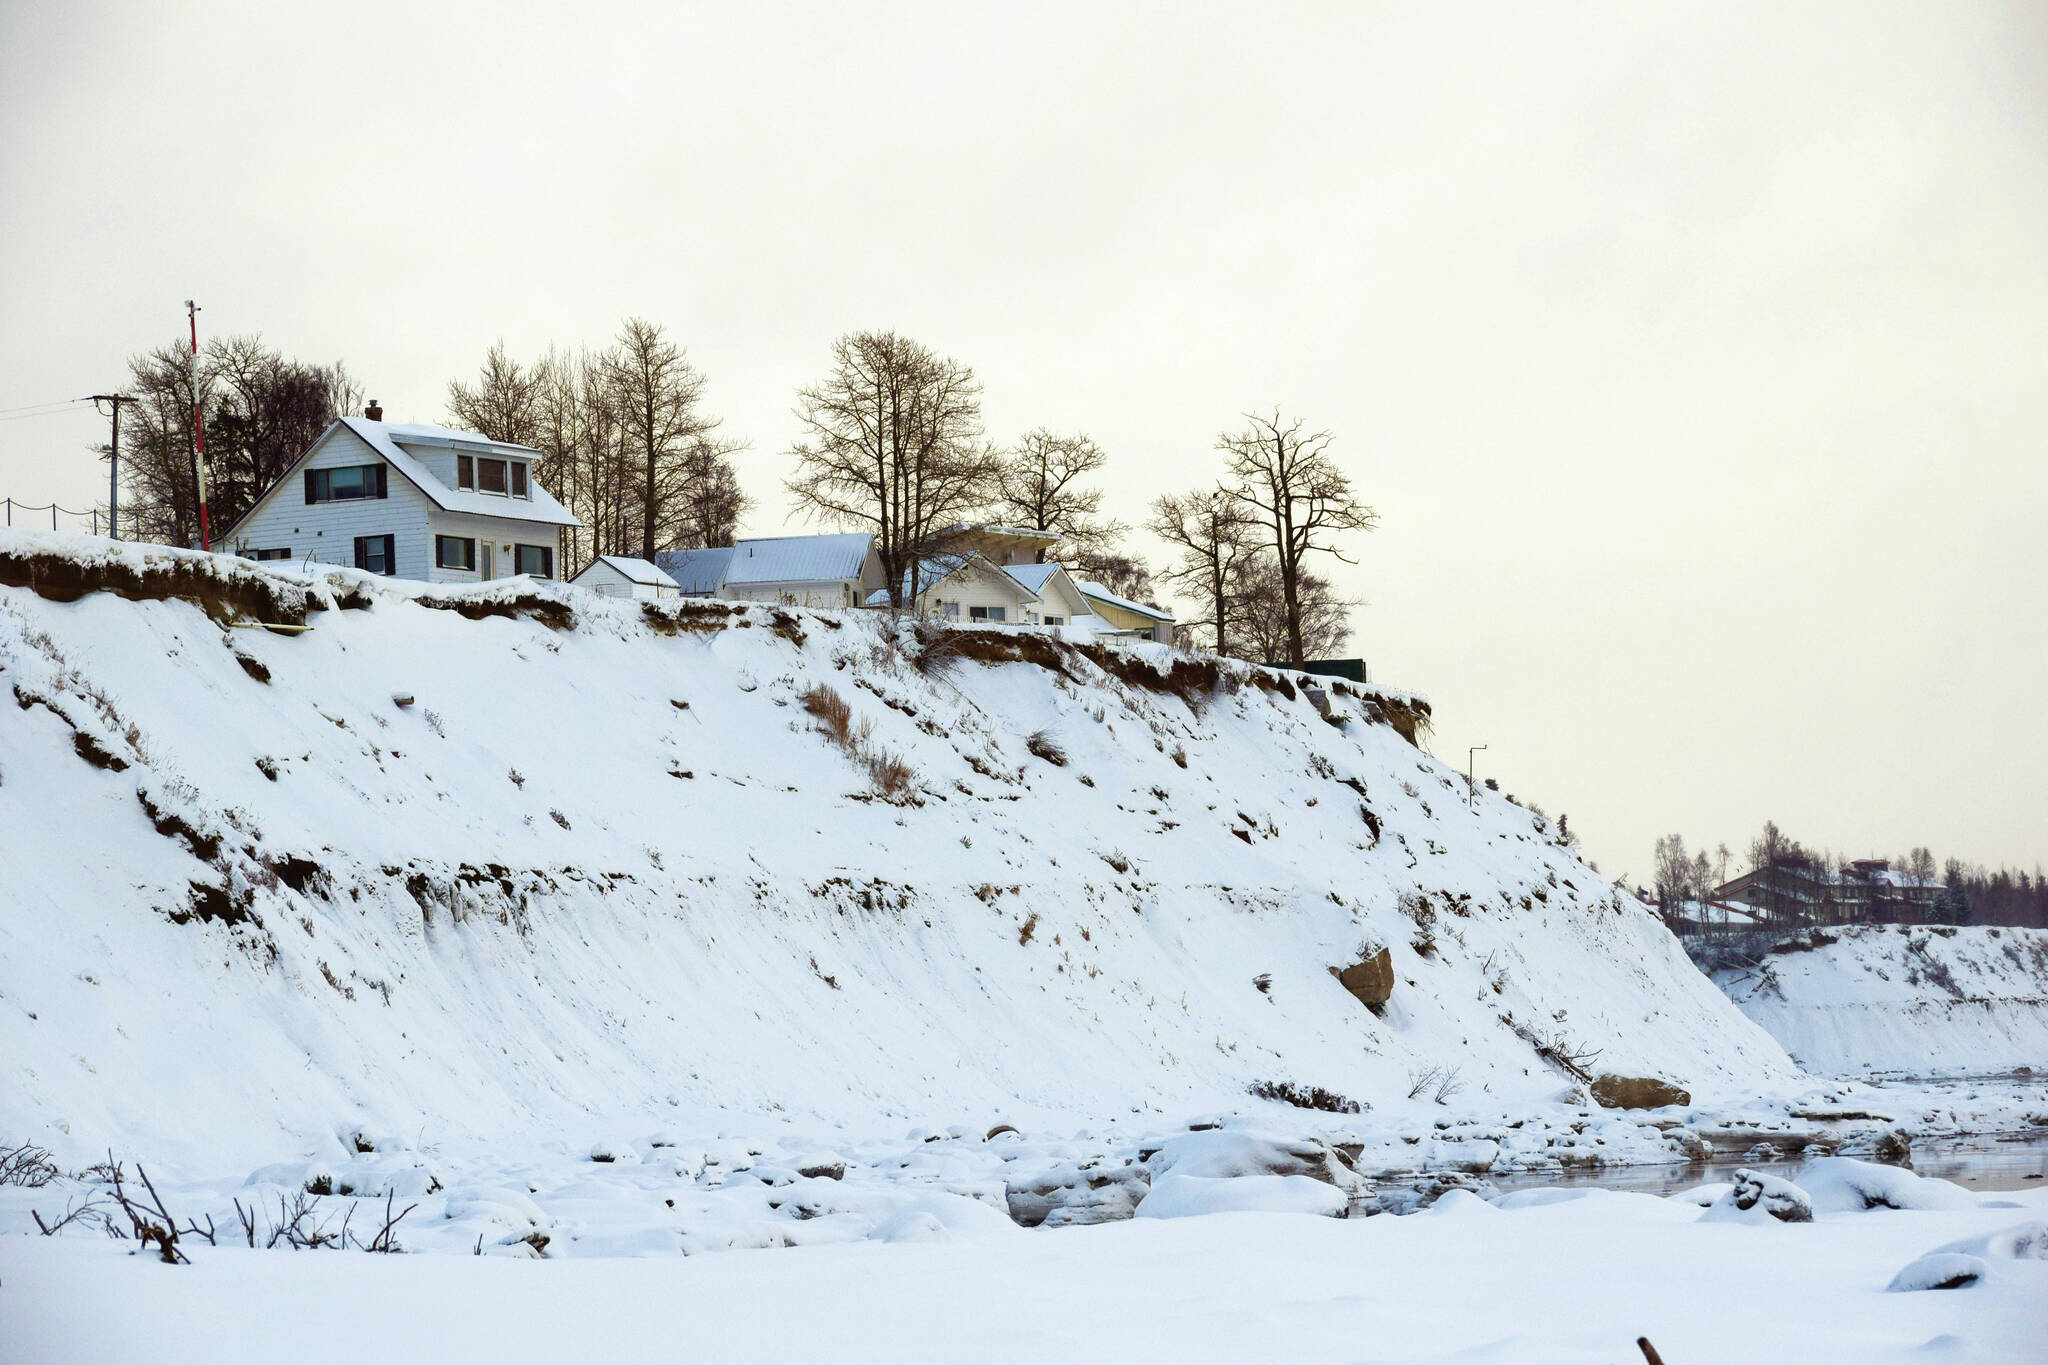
{"x": 1471, "y": 792}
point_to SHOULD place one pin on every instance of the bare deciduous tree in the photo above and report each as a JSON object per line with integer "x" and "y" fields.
{"x": 669, "y": 439}
{"x": 262, "y": 410}
{"x": 1216, "y": 541}
{"x": 1319, "y": 621}
{"x": 1287, "y": 481}
{"x": 505, "y": 403}
{"x": 894, "y": 444}
{"x": 1040, "y": 486}
{"x": 623, "y": 443}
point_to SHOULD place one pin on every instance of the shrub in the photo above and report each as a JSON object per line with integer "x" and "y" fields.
{"x": 1041, "y": 744}
{"x": 833, "y": 712}
{"x": 892, "y": 777}
{"x": 28, "y": 1166}
{"x": 1305, "y": 1097}
{"x": 938, "y": 647}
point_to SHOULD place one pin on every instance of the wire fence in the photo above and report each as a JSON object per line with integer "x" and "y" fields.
{"x": 53, "y": 517}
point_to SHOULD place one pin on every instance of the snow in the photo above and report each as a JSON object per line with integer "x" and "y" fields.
{"x": 1843, "y": 1184}
{"x": 1190, "y": 1196}
{"x": 798, "y": 559}
{"x": 607, "y": 879}
{"x": 599, "y": 958}
{"x": 538, "y": 506}
{"x": 1915, "y": 1000}
{"x": 1569, "y": 1282}
{"x": 636, "y": 571}
{"x": 1097, "y": 592}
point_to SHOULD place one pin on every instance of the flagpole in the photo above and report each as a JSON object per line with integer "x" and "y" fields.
{"x": 198, "y": 428}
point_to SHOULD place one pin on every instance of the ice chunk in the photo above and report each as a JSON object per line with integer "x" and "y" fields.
{"x": 1187, "y": 1196}
{"x": 1840, "y": 1184}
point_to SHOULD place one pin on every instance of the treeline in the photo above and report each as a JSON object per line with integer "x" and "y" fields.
{"x": 1967, "y": 894}
{"x": 262, "y": 411}
{"x": 626, "y": 442}
{"x": 892, "y": 442}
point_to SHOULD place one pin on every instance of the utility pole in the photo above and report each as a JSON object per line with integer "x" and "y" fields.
{"x": 113, "y": 462}
{"x": 198, "y": 428}
{"x": 1471, "y": 792}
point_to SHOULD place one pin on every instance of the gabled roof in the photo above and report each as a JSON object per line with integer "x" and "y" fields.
{"x": 384, "y": 438}
{"x": 929, "y": 574}
{"x": 1032, "y": 576}
{"x": 1095, "y": 592}
{"x": 699, "y": 573}
{"x": 634, "y": 570}
{"x": 798, "y": 559}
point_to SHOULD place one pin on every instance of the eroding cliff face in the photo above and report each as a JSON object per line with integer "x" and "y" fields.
{"x": 520, "y": 855}
{"x": 1906, "y": 999}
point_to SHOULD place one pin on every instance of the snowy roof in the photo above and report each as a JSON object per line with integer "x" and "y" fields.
{"x": 991, "y": 529}
{"x": 1032, "y": 576}
{"x": 1096, "y": 592}
{"x": 421, "y": 434}
{"x": 697, "y": 572}
{"x": 634, "y": 570}
{"x": 799, "y": 559}
{"x": 936, "y": 570}
{"x": 384, "y": 437}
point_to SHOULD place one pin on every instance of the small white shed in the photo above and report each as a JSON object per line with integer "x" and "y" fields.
{"x": 618, "y": 576}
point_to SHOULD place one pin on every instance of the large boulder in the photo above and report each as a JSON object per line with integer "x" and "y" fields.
{"x": 1757, "y": 1198}
{"x": 1372, "y": 980}
{"x": 1637, "y": 1092}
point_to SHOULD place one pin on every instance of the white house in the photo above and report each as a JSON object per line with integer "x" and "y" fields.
{"x": 409, "y": 501}
{"x": 619, "y": 576}
{"x": 804, "y": 571}
{"x": 1060, "y": 602}
{"x": 999, "y": 545}
{"x": 966, "y": 587}
{"x": 1122, "y": 616}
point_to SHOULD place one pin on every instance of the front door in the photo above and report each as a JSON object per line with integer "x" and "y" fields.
{"x": 483, "y": 563}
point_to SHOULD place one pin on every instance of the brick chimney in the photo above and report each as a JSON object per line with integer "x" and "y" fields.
{"x": 375, "y": 412}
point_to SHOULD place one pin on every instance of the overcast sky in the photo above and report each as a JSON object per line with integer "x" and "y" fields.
{"x": 1695, "y": 356}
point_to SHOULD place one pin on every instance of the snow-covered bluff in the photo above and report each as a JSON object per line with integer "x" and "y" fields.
{"x": 1917, "y": 1000}
{"x": 606, "y": 869}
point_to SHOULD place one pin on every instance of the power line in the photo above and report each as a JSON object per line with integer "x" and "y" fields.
{"x": 41, "y": 410}
{"x": 53, "y": 405}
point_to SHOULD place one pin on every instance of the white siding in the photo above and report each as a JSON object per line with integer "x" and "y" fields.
{"x": 602, "y": 578}
{"x": 976, "y": 587}
{"x": 828, "y": 593}
{"x": 499, "y": 534}
{"x": 326, "y": 531}
{"x": 440, "y": 462}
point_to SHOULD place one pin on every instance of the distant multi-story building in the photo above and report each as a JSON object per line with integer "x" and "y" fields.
{"x": 1804, "y": 891}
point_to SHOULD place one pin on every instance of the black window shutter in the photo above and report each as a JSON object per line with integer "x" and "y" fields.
{"x": 311, "y": 495}
{"x": 383, "y": 491}
{"x": 362, "y": 551}
{"x": 547, "y": 562}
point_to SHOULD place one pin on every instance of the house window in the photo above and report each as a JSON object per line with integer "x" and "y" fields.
{"x": 949, "y": 611}
{"x": 538, "y": 560}
{"x": 346, "y": 484}
{"x": 519, "y": 481}
{"x": 454, "y": 552}
{"x": 282, "y": 552}
{"x": 1055, "y": 620}
{"x": 988, "y": 613}
{"x": 465, "y": 471}
{"x": 378, "y": 554}
{"x": 490, "y": 476}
